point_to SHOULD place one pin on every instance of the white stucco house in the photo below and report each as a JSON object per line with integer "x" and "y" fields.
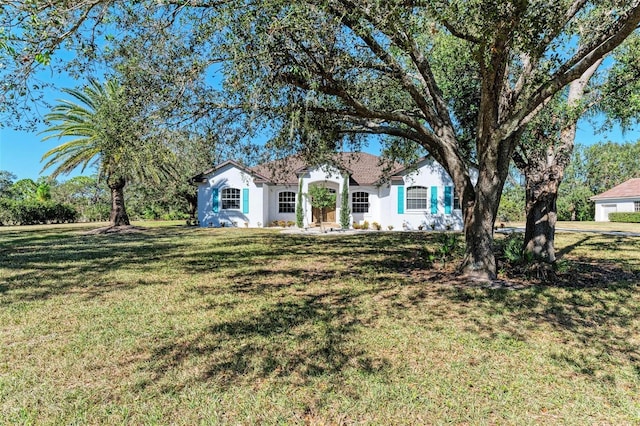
{"x": 622, "y": 198}
{"x": 231, "y": 194}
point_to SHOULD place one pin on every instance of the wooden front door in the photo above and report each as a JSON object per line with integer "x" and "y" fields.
{"x": 329, "y": 215}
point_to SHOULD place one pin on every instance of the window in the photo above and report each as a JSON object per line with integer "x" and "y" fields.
{"x": 287, "y": 202}
{"x": 456, "y": 200}
{"x": 230, "y": 198}
{"x": 360, "y": 202}
{"x": 636, "y": 206}
{"x": 417, "y": 198}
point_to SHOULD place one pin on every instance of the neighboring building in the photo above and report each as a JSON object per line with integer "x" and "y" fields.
{"x": 622, "y": 198}
{"x": 234, "y": 195}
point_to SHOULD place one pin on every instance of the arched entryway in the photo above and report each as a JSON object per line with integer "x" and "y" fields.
{"x": 326, "y": 216}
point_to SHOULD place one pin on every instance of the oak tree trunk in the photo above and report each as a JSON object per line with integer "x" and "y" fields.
{"x": 118, "y": 215}
{"x": 479, "y": 261}
{"x": 541, "y": 213}
{"x": 480, "y": 213}
{"x": 543, "y": 166}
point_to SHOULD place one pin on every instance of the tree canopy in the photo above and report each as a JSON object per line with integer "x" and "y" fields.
{"x": 322, "y": 73}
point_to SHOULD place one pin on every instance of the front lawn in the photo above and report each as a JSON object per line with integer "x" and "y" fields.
{"x": 234, "y": 326}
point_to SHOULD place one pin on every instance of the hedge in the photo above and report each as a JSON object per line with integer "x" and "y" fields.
{"x": 33, "y": 213}
{"x": 628, "y": 217}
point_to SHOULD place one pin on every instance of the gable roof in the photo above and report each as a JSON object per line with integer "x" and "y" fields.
{"x": 201, "y": 177}
{"x": 628, "y": 189}
{"x": 363, "y": 168}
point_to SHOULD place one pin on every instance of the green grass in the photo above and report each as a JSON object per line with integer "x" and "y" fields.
{"x": 587, "y": 226}
{"x": 233, "y": 326}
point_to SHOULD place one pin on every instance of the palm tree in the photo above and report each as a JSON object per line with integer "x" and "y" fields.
{"x": 107, "y": 133}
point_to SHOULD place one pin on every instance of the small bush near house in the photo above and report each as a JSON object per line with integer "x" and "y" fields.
{"x": 376, "y": 226}
{"x": 356, "y": 225}
{"x": 290, "y": 223}
{"x": 627, "y": 217}
{"x": 390, "y": 227}
{"x": 365, "y": 225}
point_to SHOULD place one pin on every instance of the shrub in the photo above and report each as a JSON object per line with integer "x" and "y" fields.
{"x": 34, "y": 213}
{"x": 290, "y": 223}
{"x": 390, "y": 227}
{"x": 448, "y": 247}
{"x": 365, "y": 225}
{"x": 149, "y": 213}
{"x": 173, "y": 215}
{"x": 356, "y": 225}
{"x": 376, "y": 226}
{"x": 511, "y": 247}
{"x": 627, "y": 217}
{"x": 96, "y": 213}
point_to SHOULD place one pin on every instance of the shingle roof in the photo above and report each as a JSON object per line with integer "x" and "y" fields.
{"x": 628, "y": 189}
{"x": 365, "y": 169}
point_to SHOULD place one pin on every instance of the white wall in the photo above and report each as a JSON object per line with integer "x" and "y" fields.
{"x": 383, "y": 200}
{"x": 604, "y": 207}
{"x": 230, "y": 177}
{"x": 374, "y": 213}
{"x": 273, "y": 196}
{"x": 428, "y": 174}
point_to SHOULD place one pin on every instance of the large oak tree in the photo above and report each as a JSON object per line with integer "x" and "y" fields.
{"x": 365, "y": 68}
{"x": 368, "y": 66}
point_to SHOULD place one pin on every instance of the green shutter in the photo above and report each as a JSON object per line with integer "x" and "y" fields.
{"x": 245, "y": 200}
{"x": 448, "y": 199}
{"x": 400, "y": 199}
{"x": 215, "y": 200}
{"x": 434, "y": 200}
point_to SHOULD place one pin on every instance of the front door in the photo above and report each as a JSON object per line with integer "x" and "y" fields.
{"x": 329, "y": 215}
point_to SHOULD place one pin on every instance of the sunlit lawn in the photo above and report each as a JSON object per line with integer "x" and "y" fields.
{"x": 589, "y": 226}
{"x": 233, "y": 326}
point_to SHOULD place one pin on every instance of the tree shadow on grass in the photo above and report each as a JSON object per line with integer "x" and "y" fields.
{"x": 591, "y": 314}
{"x": 43, "y": 264}
{"x": 294, "y": 340}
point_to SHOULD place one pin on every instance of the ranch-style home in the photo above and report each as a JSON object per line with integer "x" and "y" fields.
{"x": 622, "y": 198}
{"x": 422, "y": 197}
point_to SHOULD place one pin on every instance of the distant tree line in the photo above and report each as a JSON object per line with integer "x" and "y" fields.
{"x": 83, "y": 199}
{"x": 593, "y": 169}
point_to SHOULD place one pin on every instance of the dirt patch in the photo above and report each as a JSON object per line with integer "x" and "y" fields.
{"x": 124, "y": 229}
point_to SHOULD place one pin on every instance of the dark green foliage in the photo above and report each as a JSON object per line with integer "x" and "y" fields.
{"x": 299, "y": 212}
{"x": 345, "y": 211}
{"x": 30, "y": 212}
{"x": 448, "y": 247}
{"x": 510, "y": 248}
{"x": 627, "y": 217}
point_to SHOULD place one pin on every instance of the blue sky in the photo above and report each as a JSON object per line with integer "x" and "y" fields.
{"x": 21, "y": 152}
